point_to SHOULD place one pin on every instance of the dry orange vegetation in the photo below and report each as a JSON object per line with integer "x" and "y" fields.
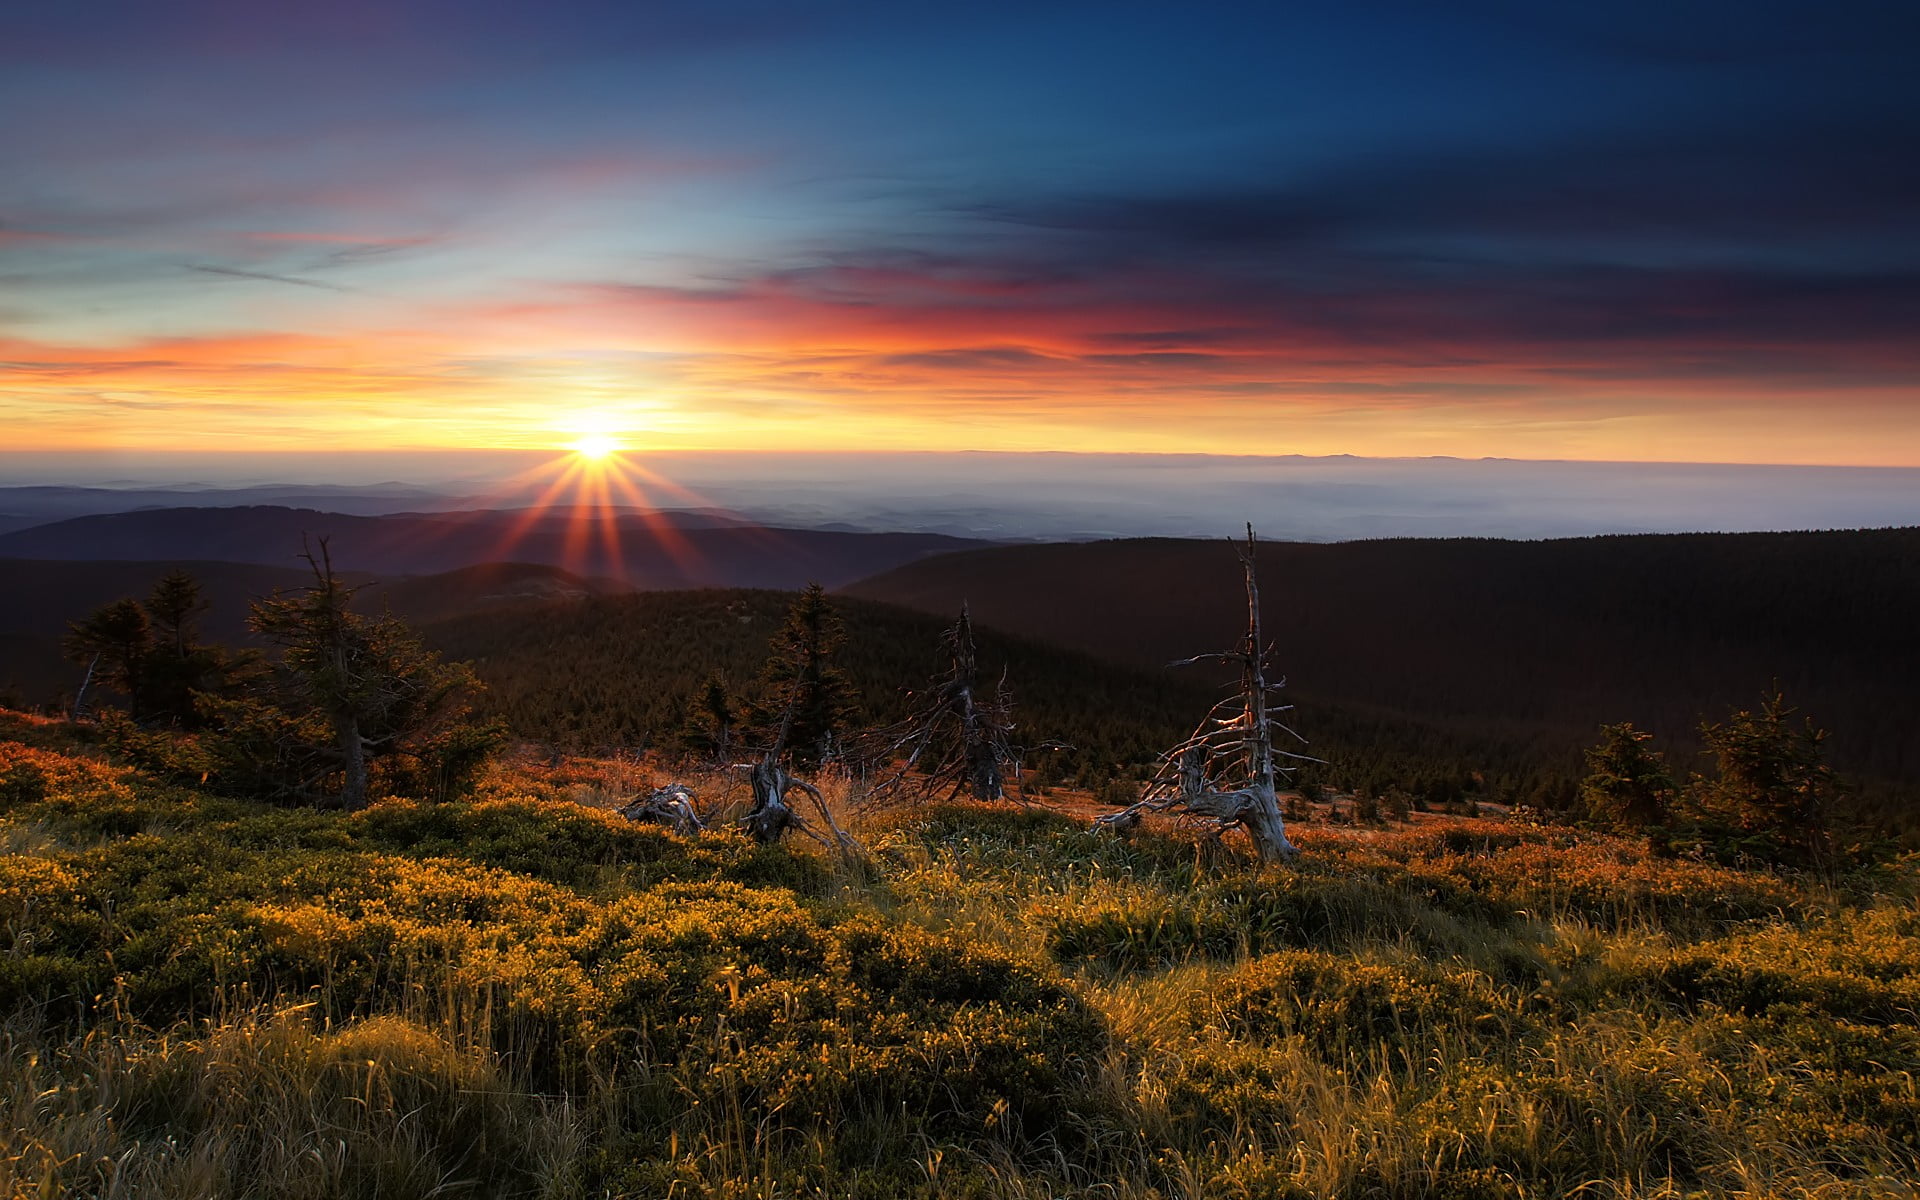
{"x": 522, "y": 994}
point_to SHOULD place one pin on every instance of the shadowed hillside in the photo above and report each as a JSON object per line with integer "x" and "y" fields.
{"x": 586, "y": 664}
{"x": 43, "y": 596}
{"x": 620, "y": 671}
{"x": 1540, "y": 641}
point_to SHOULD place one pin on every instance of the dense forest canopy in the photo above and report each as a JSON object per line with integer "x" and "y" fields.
{"x": 1518, "y": 642}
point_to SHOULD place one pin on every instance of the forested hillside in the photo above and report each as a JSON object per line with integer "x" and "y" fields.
{"x": 621, "y": 671}
{"x": 42, "y": 596}
{"x": 1533, "y": 643}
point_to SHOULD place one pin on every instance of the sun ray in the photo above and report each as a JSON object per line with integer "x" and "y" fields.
{"x": 601, "y": 511}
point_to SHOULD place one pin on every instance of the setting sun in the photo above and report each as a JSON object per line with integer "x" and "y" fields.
{"x": 596, "y": 445}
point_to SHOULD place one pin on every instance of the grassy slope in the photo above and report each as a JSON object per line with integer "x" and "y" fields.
{"x": 522, "y": 996}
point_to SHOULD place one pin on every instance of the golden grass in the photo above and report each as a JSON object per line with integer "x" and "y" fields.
{"x": 524, "y": 995}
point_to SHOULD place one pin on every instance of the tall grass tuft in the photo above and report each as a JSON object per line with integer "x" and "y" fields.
{"x": 523, "y": 995}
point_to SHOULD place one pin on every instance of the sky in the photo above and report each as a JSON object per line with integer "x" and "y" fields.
{"x": 1675, "y": 232}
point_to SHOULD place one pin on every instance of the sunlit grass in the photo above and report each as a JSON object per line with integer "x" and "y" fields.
{"x": 525, "y": 995}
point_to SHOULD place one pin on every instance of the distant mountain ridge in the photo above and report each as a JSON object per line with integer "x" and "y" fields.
{"x": 644, "y": 550}
{"x": 26, "y": 506}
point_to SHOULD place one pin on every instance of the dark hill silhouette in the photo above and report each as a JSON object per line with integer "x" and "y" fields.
{"x": 583, "y": 662}
{"x": 1535, "y": 641}
{"x": 41, "y": 597}
{"x": 618, "y": 671}
{"x": 641, "y": 549}
{"x": 483, "y": 587}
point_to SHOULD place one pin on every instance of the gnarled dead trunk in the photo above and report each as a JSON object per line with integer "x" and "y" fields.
{"x": 772, "y": 814}
{"x": 958, "y": 739}
{"x": 1234, "y": 742}
{"x": 671, "y": 806}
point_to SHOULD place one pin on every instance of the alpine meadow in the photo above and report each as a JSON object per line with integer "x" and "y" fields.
{"x": 760, "y": 601}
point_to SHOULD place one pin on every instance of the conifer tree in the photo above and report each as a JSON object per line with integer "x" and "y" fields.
{"x": 174, "y": 608}
{"x": 803, "y": 690}
{"x": 180, "y": 669}
{"x": 115, "y": 643}
{"x": 370, "y": 685}
{"x": 1773, "y": 780}
{"x": 1628, "y": 785}
{"x": 709, "y": 727}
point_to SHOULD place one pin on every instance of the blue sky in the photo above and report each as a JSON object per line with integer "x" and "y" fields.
{"x": 1640, "y": 231}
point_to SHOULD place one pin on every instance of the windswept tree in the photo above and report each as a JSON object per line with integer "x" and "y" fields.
{"x": 806, "y": 702}
{"x": 114, "y": 642}
{"x": 369, "y": 690}
{"x": 957, "y": 738}
{"x": 1628, "y": 785}
{"x": 1228, "y": 769}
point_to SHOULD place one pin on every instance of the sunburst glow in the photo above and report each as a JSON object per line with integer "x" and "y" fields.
{"x": 606, "y": 510}
{"x": 596, "y": 446}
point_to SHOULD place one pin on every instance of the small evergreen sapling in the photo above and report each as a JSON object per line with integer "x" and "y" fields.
{"x": 1628, "y": 786}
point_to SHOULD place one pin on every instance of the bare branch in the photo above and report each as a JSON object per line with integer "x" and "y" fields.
{"x": 1233, "y": 741}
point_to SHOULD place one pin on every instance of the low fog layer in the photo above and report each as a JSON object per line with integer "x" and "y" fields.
{"x": 1032, "y": 495}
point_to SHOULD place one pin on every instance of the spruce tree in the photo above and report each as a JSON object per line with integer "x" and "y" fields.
{"x": 802, "y": 686}
{"x": 370, "y": 688}
{"x": 1628, "y": 785}
{"x": 1773, "y": 781}
{"x": 709, "y": 727}
{"x": 180, "y": 669}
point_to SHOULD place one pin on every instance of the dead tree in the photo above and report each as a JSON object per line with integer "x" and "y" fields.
{"x": 86, "y": 681}
{"x": 671, "y": 806}
{"x": 1228, "y": 769}
{"x": 957, "y": 740}
{"x": 772, "y": 815}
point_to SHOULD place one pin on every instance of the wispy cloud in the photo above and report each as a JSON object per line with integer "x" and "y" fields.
{"x": 269, "y": 277}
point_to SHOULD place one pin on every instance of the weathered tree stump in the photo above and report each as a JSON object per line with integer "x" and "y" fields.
{"x": 671, "y": 806}
{"x": 772, "y": 813}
